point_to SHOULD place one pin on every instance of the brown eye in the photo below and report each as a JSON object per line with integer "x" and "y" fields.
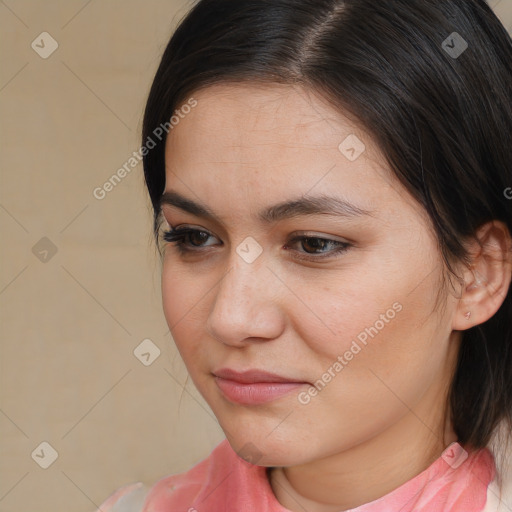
{"x": 314, "y": 244}
{"x": 184, "y": 238}
{"x": 198, "y": 237}
{"x": 316, "y": 248}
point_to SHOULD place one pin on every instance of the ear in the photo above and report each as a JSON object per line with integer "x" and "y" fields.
{"x": 487, "y": 281}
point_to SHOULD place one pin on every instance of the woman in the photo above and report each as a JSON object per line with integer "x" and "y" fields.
{"x": 330, "y": 183}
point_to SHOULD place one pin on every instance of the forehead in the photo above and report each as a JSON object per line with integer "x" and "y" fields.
{"x": 259, "y": 144}
{"x": 267, "y": 127}
{"x": 280, "y": 114}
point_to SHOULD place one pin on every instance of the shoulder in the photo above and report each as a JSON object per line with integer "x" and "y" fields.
{"x": 176, "y": 490}
{"x": 129, "y": 498}
{"x": 183, "y": 491}
{"x": 499, "y": 497}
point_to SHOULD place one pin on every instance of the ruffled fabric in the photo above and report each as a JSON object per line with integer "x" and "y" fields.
{"x": 456, "y": 482}
{"x": 129, "y": 498}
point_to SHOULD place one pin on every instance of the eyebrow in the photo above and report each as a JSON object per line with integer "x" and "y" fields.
{"x": 304, "y": 205}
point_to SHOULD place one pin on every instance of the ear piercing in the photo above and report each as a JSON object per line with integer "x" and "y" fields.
{"x": 467, "y": 314}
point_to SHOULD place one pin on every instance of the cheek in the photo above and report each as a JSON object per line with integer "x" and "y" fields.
{"x": 365, "y": 386}
{"x": 366, "y": 325}
{"x": 346, "y": 316}
{"x": 385, "y": 311}
{"x": 173, "y": 300}
{"x": 182, "y": 300}
{"x": 184, "y": 291}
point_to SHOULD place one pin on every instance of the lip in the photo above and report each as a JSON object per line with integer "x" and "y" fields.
{"x": 254, "y": 387}
{"x": 251, "y": 376}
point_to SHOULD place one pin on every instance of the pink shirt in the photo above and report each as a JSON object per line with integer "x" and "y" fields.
{"x": 455, "y": 482}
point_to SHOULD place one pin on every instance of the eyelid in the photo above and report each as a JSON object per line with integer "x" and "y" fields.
{"x": 185, "y": 225}
{"x": 192, "y": 227}
{"x": 323, "y": 236}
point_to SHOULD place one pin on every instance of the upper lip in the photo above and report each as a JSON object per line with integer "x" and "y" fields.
{"x": 251, "y": 376}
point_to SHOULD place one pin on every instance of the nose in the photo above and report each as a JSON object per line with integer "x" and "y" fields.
{"x": 247, "y": 306}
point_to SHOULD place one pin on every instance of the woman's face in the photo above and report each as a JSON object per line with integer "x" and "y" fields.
{"x": 359, "y": 320}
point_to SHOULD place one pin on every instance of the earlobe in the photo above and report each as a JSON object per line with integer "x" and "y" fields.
{"x": 487, "y": 280}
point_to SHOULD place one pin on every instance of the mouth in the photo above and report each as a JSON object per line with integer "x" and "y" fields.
{"x": 254, "y": 387}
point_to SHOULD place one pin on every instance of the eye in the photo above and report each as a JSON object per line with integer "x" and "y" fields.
{"x": 189, "y": 240}
{"x": 183, "y": 238}
{"x": 314, "y": 246}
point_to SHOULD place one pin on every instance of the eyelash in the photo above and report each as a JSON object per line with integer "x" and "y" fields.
{"x": 177, "y": 238}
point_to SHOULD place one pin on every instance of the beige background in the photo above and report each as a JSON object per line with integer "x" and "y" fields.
{"x": 70, "y": 321}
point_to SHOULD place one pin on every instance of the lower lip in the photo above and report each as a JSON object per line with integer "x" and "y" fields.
{"x": 256, "y": 393}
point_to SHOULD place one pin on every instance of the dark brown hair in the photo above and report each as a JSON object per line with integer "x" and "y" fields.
{"x": 443, "y": 122}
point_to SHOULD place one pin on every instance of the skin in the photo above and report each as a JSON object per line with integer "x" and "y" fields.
{"x": 378, "y": 422}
